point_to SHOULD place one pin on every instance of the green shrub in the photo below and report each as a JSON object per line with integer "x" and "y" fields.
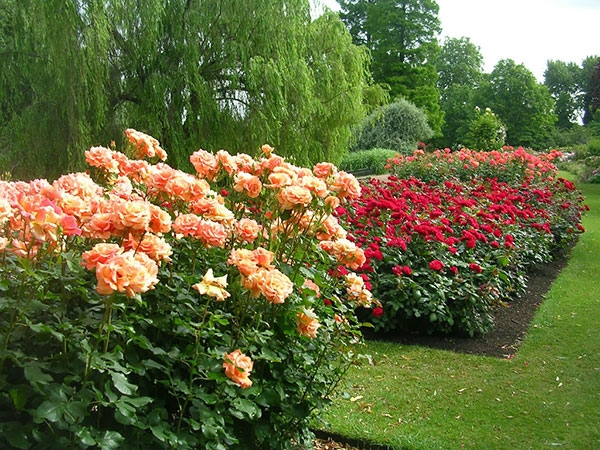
{"x": 374, "y": 159}
{"x": 487, "y": 132}
{"x": 593, "y": 147}
{"x": 398, "y": 126}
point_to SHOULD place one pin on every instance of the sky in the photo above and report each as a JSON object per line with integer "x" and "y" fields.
{"x": 530, "y": 32}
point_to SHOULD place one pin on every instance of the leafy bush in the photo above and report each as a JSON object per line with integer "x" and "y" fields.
{"x": 158, "y": 309}
{"x": 398, "y": 126}
{"x": 374, "y": 159}
{"x": 442, "y": 255}
{"x": 486, "y": 131}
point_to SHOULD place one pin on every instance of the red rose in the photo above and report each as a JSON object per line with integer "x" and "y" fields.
{"x": 378, "y": 312}
{"x": 436, "y": 264}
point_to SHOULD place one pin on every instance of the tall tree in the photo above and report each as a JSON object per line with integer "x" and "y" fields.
{"x": 590, "y": 81}
{"x": 193, "y": 74}
{"x": 522, "y": 104}
{"x": 460, "y": 72}
{"x": 402, "y": 38}
{"x": 563, "y": 81}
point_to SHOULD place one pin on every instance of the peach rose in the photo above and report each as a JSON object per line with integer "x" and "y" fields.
{"x": 238, "y": 368}
{"x": 346, "y": 186}
{"x": 227, "y": 162}
{"x": 128, "y": 272}
{"x": 186, "y": 224}
{"x": 213, "y": 286}
{"x": 292, "y": 196}
{"x": 307, "y": 323}
{"x": 160, "y": 220}
{"x": 245, "y": 182}
{"x": 247, "y": 230}
{"x": 211, "y": 233}
{"x": 274, "y": 285}
{"x": 244, "y": 260}
{"x": 310, "y": 284}
{"x": 131, "y": 215}
{"x": 100, "y": 254}
{"x": 100, "y": 226}
{"x": 102, "y": 157}
{"x": 152, "y": 245}
{"x": 145, "y": 145}
{"x": 324, "y": 169}
{"x": 205, "y": 163}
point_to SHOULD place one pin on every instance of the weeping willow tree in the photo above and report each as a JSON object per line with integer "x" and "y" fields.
{"x": 206, "y": 74}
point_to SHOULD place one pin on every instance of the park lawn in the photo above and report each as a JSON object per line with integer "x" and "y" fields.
{"x": 547, "y": 396}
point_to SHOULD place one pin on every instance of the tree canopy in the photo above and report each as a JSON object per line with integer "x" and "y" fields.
{"x": 192, "y": 74}
{"x": 402, "y": 39}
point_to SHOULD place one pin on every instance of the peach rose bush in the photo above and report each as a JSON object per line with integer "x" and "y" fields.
{"x": 142, "y": 306}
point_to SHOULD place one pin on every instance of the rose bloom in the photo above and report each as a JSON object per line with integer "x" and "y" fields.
{"x": 324, "y": 169}
{"x": 307, "y": 323}
{"x": 377, "y": 312}
{"x": 160, "y": 220}
{"x": 152, "y": 245}
{"x": 186, "y": 224}
{"x": 100, "y": 254}
{"x": 292, "y": 196}
{"x": 78, "y": 184}
{"x": 315, "y": 185}
{"x": 244, "y": 260}
{"x": 212, "y": 234}
{"x": 310, "y": 284}
{"x": 131, "y": 215}
{"x": 205, "y": 163}
{"x": 247, "y": 229}
{"x": 213, "y": 286}
{"x": 100, "y": 226}
{"x": 102, "y": 157}
{"x": 238, "y": 368}
{"x": 245, "y": 182}
{"x": 346, "y": 185}
{"x": 128, "y": 272}
{"x": 475, "y": 267}
{"x": 227, "y": 162}
{"x": 274, "y": 285}
{"x": 146, "y": 145}
{"x": 279, "y": 180}
{"x": 436, "y": 265}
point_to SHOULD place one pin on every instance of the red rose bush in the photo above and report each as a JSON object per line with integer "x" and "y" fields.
{"x": 456, "y": 235}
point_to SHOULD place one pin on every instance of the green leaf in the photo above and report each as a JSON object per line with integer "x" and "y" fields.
{"x": 243, "y": 408}
{"x": 19, "y": 396}
{"x": 16, "y": 437}
{"x": 49, "y": 410}
{"x": 110, "y": 440}
{"x": 34, "y": 374}
{"x": 121, "y": 384}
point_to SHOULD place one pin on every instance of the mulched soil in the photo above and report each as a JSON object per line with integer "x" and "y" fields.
{"x": 511, "y": 324}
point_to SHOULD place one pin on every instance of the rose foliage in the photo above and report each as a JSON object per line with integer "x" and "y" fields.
{"x": 453, "y": 235}
{"x": 144, "y": 307}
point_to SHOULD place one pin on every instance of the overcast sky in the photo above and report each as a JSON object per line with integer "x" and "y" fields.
{"x": 528, "y": 31}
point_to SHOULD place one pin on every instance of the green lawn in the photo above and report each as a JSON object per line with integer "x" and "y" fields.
{"x": 548, "y": 396}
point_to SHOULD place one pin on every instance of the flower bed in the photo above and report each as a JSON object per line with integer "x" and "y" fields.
{"x": 144, "y": 307}
{"x": 442, "y": 254}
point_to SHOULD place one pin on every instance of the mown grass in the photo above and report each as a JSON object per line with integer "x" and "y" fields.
{"x": 547, "y": 396}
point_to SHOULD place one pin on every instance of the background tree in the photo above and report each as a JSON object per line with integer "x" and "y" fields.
{"x": 589, "y": 66}
{"x": 563, "y": 82}
{"x": 192, "y": 74}
{"x": 402, "y": 39}
{"x": 522, "y": 104}
{"x": 460, "y": 72}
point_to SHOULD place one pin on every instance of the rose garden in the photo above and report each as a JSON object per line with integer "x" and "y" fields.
{"x": 146, "y": 307}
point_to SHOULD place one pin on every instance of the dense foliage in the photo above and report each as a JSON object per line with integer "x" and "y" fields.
{"x": 402, "y": 39}
{"x": 441, "y": 255}
{"x": 159, "y": 309}
{"x": 195, "y": 73}
{"x": 398, "y": 126}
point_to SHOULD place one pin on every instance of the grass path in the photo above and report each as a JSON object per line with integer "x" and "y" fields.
{"x": 548, "y": 396}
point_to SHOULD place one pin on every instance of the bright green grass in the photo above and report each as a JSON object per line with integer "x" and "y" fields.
{"x": 548, "y": 396}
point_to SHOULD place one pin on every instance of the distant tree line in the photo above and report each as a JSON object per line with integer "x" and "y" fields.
{"x": 231, "y": 74}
